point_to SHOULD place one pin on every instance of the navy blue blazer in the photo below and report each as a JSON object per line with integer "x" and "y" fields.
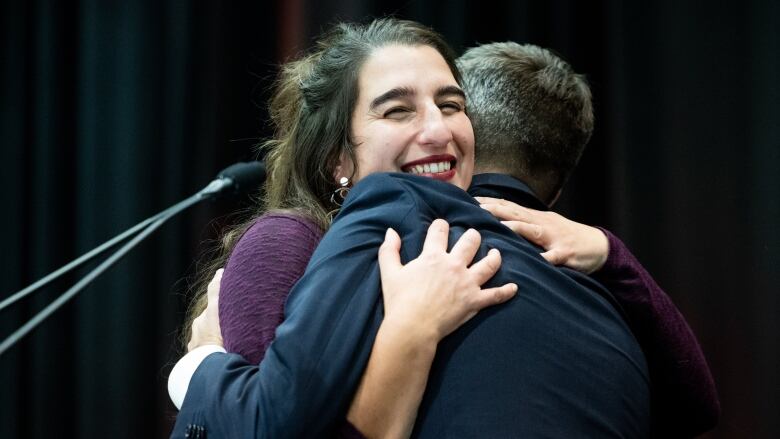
{"x": 556, "y": 361}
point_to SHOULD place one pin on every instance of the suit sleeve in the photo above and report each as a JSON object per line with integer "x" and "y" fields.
{"x": 303, "y": 386}
{"x": 685, "y": 400}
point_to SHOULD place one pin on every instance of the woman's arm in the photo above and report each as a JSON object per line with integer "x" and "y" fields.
{"x": 685, "y": 400}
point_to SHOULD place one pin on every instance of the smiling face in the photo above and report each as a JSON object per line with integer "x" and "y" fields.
{"x": 410, "y": 117}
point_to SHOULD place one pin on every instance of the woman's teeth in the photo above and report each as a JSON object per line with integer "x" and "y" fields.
{"x": 430, "y": 168}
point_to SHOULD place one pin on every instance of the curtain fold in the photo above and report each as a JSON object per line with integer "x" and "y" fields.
{"x": 112, "y": 111}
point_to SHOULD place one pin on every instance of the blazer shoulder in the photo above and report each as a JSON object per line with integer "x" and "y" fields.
{"x": 414, "y": 186}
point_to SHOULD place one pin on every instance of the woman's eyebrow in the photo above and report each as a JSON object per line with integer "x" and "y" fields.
{"x": 450, "y": 90}
{"x": 395, "y": 93}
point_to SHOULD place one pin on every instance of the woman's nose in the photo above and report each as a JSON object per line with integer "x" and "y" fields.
{"x": 435, "y": 132}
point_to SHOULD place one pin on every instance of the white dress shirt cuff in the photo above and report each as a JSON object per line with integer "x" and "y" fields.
{"x": 182, "y": 372}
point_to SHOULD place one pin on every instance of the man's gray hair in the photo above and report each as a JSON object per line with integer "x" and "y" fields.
{"x": 532, "y": 114}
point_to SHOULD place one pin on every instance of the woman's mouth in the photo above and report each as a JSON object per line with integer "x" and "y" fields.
{"x": 439, "y": 167}
{"x": 429, "y": 168}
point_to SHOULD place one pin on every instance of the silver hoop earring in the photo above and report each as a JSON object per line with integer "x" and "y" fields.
{"x": 338, "y": 195}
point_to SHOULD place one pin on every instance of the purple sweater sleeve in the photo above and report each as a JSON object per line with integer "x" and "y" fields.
{"x": 685, "y": 401}
{"x": 262, "y": 269}
{"x": 260, "y": 272}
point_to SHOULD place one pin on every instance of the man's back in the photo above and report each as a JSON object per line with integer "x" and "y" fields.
{"x": 558, "y": 360}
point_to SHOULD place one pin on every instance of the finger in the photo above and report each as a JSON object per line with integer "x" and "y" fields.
{"x": 511, "y": 211}
{"x": 491, "y": 200}
{"x": 531, "y": 232}
{"x": 436, "y": 239}
{"x": 194, "y": 331}
{"x": 494, "y": 296}
{"x": 484, "y": 200}
{"x": 485, "y": 268}
{"x": 390, "y": 252}
{"x": 467, "y": 245}
{"x": 554, "y": 256}
{"x": 213, "y": 287}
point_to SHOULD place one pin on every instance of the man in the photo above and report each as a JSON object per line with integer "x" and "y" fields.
{"x": 534, "y": 366}
{"x": 527, "y": 158}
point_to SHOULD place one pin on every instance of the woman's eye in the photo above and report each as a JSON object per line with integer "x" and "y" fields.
{"x": 396, "y": 112}
{"x": 451, "y": 107}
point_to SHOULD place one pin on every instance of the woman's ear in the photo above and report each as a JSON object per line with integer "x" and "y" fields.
{"x": 344, "y": 168}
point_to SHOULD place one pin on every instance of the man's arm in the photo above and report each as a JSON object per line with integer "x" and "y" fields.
{"x": 417, "y": 315}
{"x": 309, "y": 374}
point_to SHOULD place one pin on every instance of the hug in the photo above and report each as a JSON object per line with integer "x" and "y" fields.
{"x": 403, "y": 275}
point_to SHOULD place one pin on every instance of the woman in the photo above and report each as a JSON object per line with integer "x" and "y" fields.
{"x": 367, "y": 72}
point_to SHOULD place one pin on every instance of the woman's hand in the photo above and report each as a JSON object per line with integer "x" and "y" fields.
{"x": 425, "y": 300}
{"x": 437, "y": 292}
{"x": 574, "y": 245}
{"x": 205, "y": 327}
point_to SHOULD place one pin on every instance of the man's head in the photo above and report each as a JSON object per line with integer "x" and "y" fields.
{"x": 532, "y": 115}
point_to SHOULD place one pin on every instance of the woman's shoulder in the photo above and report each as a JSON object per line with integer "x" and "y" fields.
{"x": 283, "y": 225}
{"x": 278, "y": 233}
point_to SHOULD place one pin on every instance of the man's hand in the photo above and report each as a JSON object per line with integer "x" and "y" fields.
{"x": 205, "y": 327}
{"x": 574, "y": 245}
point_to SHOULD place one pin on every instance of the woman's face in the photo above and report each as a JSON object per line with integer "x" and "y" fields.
{"x": 410, "y": 117}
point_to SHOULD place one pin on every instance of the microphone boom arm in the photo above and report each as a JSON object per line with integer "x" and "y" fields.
{"x": 238, "y": 177}
{"x": 158, "y": 220}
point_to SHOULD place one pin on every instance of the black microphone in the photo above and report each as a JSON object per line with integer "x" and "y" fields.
{"x": 236, "y": 179}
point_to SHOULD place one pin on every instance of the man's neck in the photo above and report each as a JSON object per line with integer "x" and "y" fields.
{"x": 508, "y": 187}
{"x": 526, "y": 181}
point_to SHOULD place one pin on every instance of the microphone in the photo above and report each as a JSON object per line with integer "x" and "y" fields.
{"x": 236, "y": 179}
